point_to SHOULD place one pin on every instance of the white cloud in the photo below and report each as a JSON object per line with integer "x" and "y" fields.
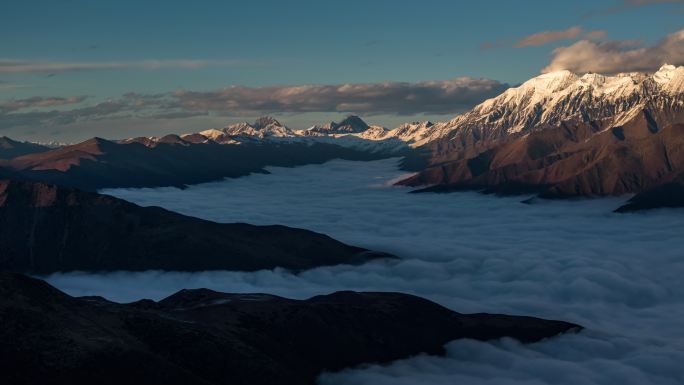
{"x": 619, "y": 275}
{"x": 618, "y": 56}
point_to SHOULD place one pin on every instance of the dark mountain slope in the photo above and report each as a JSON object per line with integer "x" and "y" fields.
{"x": 205, "y": 337}
{"x": 44, "y": 228}
{"x": 666, "y": 195}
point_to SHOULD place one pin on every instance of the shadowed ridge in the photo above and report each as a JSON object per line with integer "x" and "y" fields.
{"x": 47, "y": 228}
{"x": 666, "y": 195}
{"x": 204, "y": 337}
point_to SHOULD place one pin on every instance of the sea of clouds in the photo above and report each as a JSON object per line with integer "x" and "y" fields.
{"x": 619, "y": 275}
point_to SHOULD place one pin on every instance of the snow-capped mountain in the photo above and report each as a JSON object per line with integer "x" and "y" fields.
{"x": 544, "y": 101}
{"x": 564, "y": 134}
{"x": 263, "y": 127}
{"x": 562, "y": 97}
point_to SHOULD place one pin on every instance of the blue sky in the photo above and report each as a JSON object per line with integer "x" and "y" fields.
{"x": 150, "y": 47}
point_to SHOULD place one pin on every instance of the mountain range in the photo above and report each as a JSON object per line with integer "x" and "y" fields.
{"x": 558, "y": 135}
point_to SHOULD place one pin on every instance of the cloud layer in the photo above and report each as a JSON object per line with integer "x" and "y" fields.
{"x": 439, "y": 97}
{"x": 618, "y": 56}
{"x": 38, "y": 102}
{"x": 619, "y": 275}
{"x": 433, "y": 97}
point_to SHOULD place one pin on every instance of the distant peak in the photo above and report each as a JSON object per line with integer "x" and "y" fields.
{"x": 352, "y": 120}
{"x": 351, "y": 123}
{"x": 96, "y": 140}
{"x": 667, "y": 67}
{"x": 556, "y": 74}
{"x": 265, "y": 121}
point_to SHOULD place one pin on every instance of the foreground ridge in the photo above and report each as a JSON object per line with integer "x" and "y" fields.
{"x": 206, "y": 337}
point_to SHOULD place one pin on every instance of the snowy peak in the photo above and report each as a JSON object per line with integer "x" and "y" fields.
{"x": 265, "y": 121}
{"x": 352, "y": 124}
{"x": 549, "y": 83}
{"x": 263, "y": 127}
{"x": 670, "y": 78}
{"x": 559, "y": 96}
{"x": 549, "y": 99}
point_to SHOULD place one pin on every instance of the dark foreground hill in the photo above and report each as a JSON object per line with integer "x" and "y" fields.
{"x": 205, "y": 337}
{"x": 45, "y": 228}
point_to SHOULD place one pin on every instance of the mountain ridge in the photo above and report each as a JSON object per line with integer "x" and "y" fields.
{"x": 205, "y": 337}
{"x": 46, "y": 228}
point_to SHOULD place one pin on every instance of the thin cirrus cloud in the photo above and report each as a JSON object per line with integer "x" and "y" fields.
{"x": 39, "y": 102}
{"x": 618, "y": 56}
{"x": 436, "y": 97}
{"x": 9, "y": 66}
{"x": 546, "y": 37}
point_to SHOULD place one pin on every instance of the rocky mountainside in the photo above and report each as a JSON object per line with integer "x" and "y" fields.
{"x": 205, "y": 337}
{"x": 565, "y": 135}
{"x": 47, "y": 229}
{"x": 563, "y": 97}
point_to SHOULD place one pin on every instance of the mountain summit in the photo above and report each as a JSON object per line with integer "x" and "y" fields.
{"x": 352, "y": 124}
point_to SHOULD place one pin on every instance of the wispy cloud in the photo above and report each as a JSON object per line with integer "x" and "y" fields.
{"x": 547, "y": 37}
{"x": 27, "y": 66}
{"x": 5, "y": 86}
{"x": 618, "y": 56}
{"x": 112, "y": 109}
{"x": 38, "y": 102}
{"x": 596, "y": 35}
